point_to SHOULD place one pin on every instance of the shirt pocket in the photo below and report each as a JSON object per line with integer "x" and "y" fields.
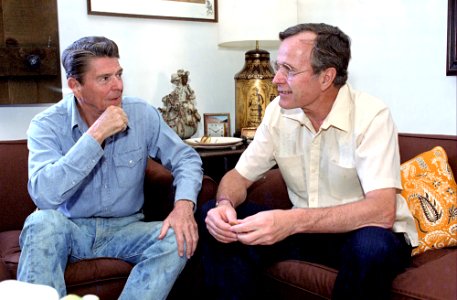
{"x": 344, "y": 184}
{"x": 130, "y": 167}
{"x": 292, "y": 170}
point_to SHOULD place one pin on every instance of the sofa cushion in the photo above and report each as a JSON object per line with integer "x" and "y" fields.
{"x": 104, "y": 277}
{"x": 430, "y": 191}
{"x": 15, "y": 199}
{"x": 312, "y": 278}
{"x": 10, "y": 251}
{"x": 4, "y": 274}
{"x": 431, "y": 276}
{"x": 83, "y": 277}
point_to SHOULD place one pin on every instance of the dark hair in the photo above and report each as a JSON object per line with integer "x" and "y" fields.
{"x": 332, "y": 48}
{"x": 77, "y": 56}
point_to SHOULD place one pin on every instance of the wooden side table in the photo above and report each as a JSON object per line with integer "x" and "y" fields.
{"x": 217, "y": 162}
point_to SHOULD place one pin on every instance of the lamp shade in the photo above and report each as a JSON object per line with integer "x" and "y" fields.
{"x": 243, "y": 22}
{"x": 251, "y": 24}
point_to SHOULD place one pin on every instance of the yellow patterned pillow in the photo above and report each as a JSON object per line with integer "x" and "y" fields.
{"x": 430, "y": 189}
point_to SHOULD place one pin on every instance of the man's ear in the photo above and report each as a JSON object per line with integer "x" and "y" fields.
{"x": 327, "y": 78}
{"x": 74, "y": 85}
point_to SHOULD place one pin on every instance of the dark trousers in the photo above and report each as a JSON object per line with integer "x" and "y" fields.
{"x": 367, "y": 260}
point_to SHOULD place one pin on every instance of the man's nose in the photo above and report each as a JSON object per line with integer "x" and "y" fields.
{"x": 279, "y": 78}
{"x": 117, "y": 83}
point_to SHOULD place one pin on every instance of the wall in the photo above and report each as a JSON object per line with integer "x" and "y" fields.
{"x": 399, "y": 51}
{"x": 399, "y": 55}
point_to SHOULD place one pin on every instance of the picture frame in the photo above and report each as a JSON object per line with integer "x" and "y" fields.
{"x": 187, "y": 10}
{"x": 216, "y": 124}
{"x": 451, "y": 59}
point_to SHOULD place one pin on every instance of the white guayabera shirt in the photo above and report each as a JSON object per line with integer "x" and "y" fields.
{"x": 355, "y": 151}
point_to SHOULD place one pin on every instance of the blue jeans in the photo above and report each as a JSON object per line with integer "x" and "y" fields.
{"x": 49, "y": 241}
{"x": 367, "y": 260}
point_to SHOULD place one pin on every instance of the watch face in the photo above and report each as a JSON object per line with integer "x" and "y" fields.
{"x": 216, "y": 129}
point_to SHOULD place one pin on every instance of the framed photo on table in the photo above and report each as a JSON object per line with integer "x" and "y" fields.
{"x": 216, "y": 124}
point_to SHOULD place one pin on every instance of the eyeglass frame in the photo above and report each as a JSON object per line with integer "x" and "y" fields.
{"x": 289, "y": 73}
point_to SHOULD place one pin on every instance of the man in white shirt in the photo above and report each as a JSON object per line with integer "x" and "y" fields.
{"x": 338, "y": 153}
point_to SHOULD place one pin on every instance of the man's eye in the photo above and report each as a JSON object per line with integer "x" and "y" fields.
{"x": 103, "y": 79}
{"x": 287, "y": 68}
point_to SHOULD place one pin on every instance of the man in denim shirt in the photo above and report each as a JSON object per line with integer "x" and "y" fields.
{"x": 88, "y": 155}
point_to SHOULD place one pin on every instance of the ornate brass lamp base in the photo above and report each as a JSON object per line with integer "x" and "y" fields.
{"x": 254, "y": 89}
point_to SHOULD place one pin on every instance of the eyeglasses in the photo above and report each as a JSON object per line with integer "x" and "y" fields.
{"x": 287, "y": 70}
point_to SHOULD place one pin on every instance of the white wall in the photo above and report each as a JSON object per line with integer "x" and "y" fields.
{"x": 399, "y": 55}
{"x": 399, "y": 52}
{"x": 151, "y": 50}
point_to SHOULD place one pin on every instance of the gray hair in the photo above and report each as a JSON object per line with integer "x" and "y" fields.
{"x": 76, "y": 57}
{"x": 332, "y": 48}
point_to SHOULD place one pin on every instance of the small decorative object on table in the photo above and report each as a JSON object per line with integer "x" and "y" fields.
{"x": 211, "y": 143}
{"x": 179, "y": 109}
{"x": 217, "y": 124}
{"x": 248, "y": 133}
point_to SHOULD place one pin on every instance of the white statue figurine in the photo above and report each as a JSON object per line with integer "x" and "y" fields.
{"x": 179, "y": 109}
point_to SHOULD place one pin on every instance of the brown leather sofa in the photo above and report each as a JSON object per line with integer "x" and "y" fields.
{"x": 432, "y": 275}
{"x": 104, "y": 277}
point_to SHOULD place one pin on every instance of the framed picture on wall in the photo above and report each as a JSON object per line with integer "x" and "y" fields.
{"x": 188, "y": 10}
{"x": 216, "y": 124}
{"x": 451, "y": 64}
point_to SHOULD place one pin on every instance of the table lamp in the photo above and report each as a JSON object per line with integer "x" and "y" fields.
{"x": 254, "y": 23}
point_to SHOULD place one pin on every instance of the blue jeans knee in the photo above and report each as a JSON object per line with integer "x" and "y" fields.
{"x": 45, "y": 246}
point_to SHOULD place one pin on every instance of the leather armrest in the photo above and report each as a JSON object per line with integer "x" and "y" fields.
{"x": 4, "y": 274}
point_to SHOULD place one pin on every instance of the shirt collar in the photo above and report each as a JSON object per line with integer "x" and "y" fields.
{"x": 295, "y": 114}
{"x": 339, "y": 115}
{"x": 78, "y": 126}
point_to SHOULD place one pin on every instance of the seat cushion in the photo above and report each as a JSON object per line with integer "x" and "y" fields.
{"x": 10, "y": 251}
{"x": 98, "y": 275}
{"x": 432, "y": 275}
{"x": 308, "y": 278}
{"x": 104, "y": 277}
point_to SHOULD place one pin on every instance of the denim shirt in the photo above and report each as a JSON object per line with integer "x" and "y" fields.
{"x": 71, "y": 172}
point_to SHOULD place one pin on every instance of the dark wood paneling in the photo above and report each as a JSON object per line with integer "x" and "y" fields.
{"x": 27, "y": 28}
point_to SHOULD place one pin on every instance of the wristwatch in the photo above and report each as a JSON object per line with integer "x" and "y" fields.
{"x": 224, "y": 199}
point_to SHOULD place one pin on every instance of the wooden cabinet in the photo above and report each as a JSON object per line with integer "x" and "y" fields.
{"x": 217, "y": 162}
{"x": 29, "y": 52}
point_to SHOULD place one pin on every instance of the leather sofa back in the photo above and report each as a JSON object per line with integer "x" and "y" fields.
{"x": 16, "y": 203}
{"x": 414, "y": 144}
